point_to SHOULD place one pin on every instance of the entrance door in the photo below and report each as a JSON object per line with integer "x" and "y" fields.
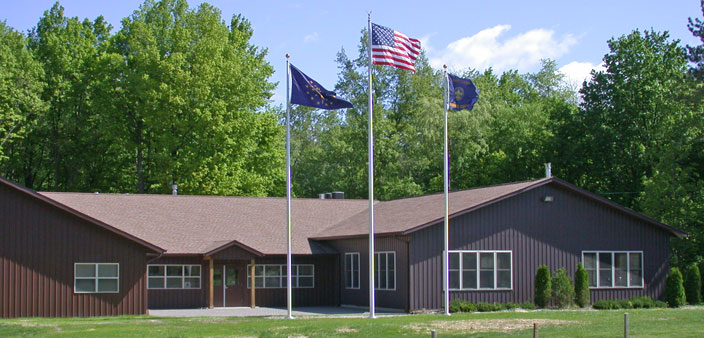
{"x": 235, "y": 285}
{"x": 229, "y": 285}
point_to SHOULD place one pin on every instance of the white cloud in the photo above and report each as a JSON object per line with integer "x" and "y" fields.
{"x": 425, "y": 42}
{"x": 311, "y": 37}
{"x": 577, "y": 72}
{"x": 486, "y": 49}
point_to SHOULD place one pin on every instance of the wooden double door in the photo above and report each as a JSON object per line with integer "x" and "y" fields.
{"x": 230, "y": 284}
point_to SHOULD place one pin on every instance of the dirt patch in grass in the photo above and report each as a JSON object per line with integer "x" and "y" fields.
{"x": 486, "y": 325}
{"x": 346, "y": 330}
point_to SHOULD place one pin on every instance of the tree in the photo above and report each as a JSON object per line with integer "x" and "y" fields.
{"x": 696, "y": 53}
{"x": 562, "y": 289}
{"x": 543, "y": 287}
{"x": 581, "y": 286}
{"x": 20, "y": 96}
{"x": 674, "y": 290}
{"x": 693, "y": 284}
{"x": 189, "y": 104}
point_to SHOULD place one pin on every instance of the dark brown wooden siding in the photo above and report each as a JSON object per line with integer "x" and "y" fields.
{"x": 325, "y": 292}
{"x": 397, "y": 299}
{"x": 233, "y": 253}
{"x": 39, "y": 245}
{"x": 181, "y": 298}
{"x": 537, "y": 233}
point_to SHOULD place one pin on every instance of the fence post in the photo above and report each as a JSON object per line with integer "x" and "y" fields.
{"x": 433, "y": 334}
{"x": 535, "y": 330}
{"x": 625, "y": 325}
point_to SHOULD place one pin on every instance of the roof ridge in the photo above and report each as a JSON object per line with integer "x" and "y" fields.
{"x": 190, "y": 196}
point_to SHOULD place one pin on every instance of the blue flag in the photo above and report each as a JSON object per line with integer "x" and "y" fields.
{"x": 463, "y": 93}
{"x": 308, "y": 92}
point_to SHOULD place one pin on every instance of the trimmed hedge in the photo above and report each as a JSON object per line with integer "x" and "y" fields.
{"x": 543, "y": 287}
{"x": 674, "y": 290}
{"x": 457, "y": 305}
{"x": 581, "y": 286}
{"x": 633, "y": 303}
{"x": 693, "y": 284}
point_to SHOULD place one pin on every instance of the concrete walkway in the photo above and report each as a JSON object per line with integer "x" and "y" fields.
{"x": 269, "y": 312}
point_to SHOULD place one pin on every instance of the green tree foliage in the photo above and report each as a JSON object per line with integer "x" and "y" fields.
{"x": 562, "y": 289}
{"x": 674, "y": 290}
{"x": 20, "y": 94}
{"x": 581, "y": 286}
{"x": 543, "y": 287}
{"x": 696, "y": 53}
{"x": 693, "y": 284}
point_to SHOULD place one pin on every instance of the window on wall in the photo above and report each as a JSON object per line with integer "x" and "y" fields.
{"x": 352, "y": 270}
{"x": 96, "y": 277}
{"x": 614, "y": 269}
{"x": 477, "y": 270}
{"x": 267, "y": 276}
{"x": 173, "y": 276}
{"x": 385, "y": 270}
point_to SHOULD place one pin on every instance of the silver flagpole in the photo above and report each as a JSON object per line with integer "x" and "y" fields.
{"x": 446, "y": 173}
{"x": 289, "y": 301}
{"x": 371, "y": 177}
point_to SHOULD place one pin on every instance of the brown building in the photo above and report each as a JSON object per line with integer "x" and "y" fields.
{"x": 78, "y": 254}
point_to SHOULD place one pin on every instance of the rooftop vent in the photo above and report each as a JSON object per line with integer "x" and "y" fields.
{"x": 548, "y": 170}
{"x": 336, "y": 195}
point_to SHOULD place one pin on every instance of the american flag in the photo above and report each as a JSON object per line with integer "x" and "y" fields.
{"x": 393, "y": 48}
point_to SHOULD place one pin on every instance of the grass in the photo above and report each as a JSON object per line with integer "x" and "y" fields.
{"x": 685, "y": 322}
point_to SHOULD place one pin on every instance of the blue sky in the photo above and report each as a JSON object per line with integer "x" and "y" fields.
{"x": 502, "y": 34}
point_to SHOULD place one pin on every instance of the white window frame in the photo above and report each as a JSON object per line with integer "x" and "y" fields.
{"x": 183, "y": 276}
{"x": 495, "y": 269}
{"x": 282, "y": 276}
{"x": 96, "y": 278}
{"x": 613, "y": 269}
{"x": 352, "y": 270}
{"x": 377, "y": 269}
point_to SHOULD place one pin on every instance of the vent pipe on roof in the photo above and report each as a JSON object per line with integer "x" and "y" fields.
{"x": 321, "y": 196}
{"x": 174, "y": 189}
{"x": 548, "y": 170}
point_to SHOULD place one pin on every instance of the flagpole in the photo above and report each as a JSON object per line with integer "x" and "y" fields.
{"x": 289, "y": 300}
{"x": 446, "y": 174}
{"x": 371, "y": 176}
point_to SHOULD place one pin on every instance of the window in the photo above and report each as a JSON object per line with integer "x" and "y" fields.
{"x": 268, "y": 276}
{"x": 96, "y": 277}
{"x": 480, "y": 270}
{"x": 352, "y": 270}
{"x": 614, "y": 269}
{"x": 173, "y": 276}
{"x": 385, "y": 270}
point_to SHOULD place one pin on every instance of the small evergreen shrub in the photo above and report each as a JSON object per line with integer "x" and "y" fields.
{"x": 528, "y": 306}
{"x": 498, "y": 307}
{"x": 643, "y": 302}
{"x": 543, "y": 289}
{"x": 605, "y": 304}
{"x": 484, "y": 307}
{"x": 660, "y": 304}
{"x": 455, "y": 305}
{"x": 693, "y": 284}
{"x": 511, "y": 306}
{"x": 624, "y": 304}
{"x": 468, "y": 307}
{"x": 674, "y": 290}
{"x": 581, "y": 286}
{"x": 562, "y": 289}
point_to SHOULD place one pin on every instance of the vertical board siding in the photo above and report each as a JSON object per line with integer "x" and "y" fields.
{"x": 554, "y": 234}
{"x": 181, "y": 298}
{"x": 396, "y": 299}
{"x": 39, "y": 245}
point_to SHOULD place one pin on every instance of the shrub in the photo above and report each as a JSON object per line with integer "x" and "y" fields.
{"x": 498, "y": 307}
{"x": 624, "y": 304}
{"x": 562, "y": 289}
{"x": 581, "y": 286}
{"x": 468, "y": 307}
{"x": 693, "y": 284}
{"x": 605, "y": 304}
{"x": 528, "y": 306}
{"x": 660, "y": 304}
{"x": 642, "y": 302}
{"x": 543, "y": 289}
{"x": 455, "y": 305}
{"x": 511, "y": 306}
{"x": 674, "y": 290}
{"x": 484, "y": 307}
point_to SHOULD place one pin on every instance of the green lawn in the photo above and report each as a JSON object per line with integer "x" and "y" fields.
{"x": 686, "y": 322}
